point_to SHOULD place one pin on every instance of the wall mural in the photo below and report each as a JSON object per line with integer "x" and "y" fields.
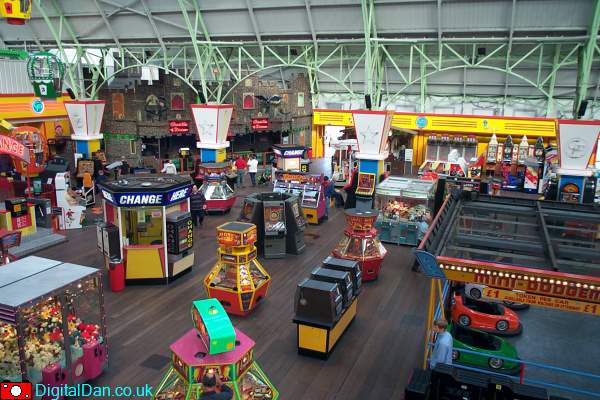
{"x": 156, "y": 108}
{"x": 177, "y": 101}
{"x": 118, "y": 106}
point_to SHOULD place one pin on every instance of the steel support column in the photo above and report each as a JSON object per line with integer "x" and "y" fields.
{"x": 585, "y": 60}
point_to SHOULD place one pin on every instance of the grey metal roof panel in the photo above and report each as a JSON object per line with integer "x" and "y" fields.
{"x": 37, "y": 284}
{"x": 24, "y": 268}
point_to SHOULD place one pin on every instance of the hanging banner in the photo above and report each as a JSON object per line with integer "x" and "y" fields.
{"x": 372, "y": 128}
{"x": 577, "y": 140}
{"x": 14, "y": 148}
{"x": 86, "y": 118}
{"x": 542, "y": 301}
{"x": 212, "y": 124}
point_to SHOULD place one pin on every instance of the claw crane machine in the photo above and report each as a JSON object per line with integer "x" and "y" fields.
{"x": 212, "y": 347}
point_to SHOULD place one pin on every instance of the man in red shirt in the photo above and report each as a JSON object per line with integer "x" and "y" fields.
{"x": 240, "y": 165}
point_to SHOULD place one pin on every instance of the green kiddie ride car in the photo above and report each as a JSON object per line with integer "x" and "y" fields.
{"x": 489, "y": 347}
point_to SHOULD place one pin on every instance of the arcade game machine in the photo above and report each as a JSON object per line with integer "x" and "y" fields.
{"x": 218, "y": 194}
{"x": 295, "y": 225}
{"x": 323, "y": 312}
{"x": 274, "y": 227}
{"x": 308, "y": 188}
{"x": 253, "y": 212}
{"x": 71, "y": 204}
{"x": 155, "y": 233}
{"x": 52, "y": 326}
{"x": 238, "y": 280}
{"x": 350, "y": 266}
{"x": 365, "y": 190}
{"x": 360, "y": 242}
{"x": 214, "y": 346}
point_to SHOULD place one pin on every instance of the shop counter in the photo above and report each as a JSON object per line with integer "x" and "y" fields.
{"x": 144, "y": 262}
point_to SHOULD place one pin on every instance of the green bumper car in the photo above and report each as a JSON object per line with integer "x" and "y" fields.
{"x": 489, "y": 347}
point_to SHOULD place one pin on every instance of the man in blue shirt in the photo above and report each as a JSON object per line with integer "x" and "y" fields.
{"x": 442, "y": 349}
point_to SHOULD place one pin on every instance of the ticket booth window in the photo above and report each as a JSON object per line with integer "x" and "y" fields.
{"x": 143, "y": 226}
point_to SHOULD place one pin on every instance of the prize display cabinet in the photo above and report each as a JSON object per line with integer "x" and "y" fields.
{"x": 403, "y": 205}
{"x": 52, "y": 323}
{"x": 217, "y": 192}
{"x": 360, "y": 242}
{"x": 214, "y": 346}
{"x": 238, "y": 280}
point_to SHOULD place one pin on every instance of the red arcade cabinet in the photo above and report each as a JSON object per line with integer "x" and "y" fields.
{"x": 360, "y": 242}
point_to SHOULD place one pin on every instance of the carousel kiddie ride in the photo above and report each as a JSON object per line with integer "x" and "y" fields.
{"x": 238, "y": 280}
{"x": 214, "y": 346}
{"x": 360, "y": 242}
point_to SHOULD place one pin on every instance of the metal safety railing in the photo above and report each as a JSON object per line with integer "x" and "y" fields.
{"x": 524, "y": 366}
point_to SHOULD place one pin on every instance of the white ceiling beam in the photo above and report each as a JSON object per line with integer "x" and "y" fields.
{"x": 154, "y": 27}
{"x": 253, "y": 21}
{"x": 108, "y": 25}
{"x": 97, "y": 25}
{"x": 138, "y": 12}
{"x": 311, "y": 25}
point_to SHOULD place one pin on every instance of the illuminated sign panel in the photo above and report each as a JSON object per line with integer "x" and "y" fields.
{"x": 545, "y": 283}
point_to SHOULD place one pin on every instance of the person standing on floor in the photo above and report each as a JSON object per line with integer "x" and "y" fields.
{"x": 169, "y": 168}
{"x": 252, "y": 168}
{"x": 197, "y": 206}
{"x": 442, "y": 349}
{"x": 240, "y": 165}
{"x": 329, "y": 192}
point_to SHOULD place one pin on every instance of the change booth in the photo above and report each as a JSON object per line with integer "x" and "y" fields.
{"x": 148, "y": 226}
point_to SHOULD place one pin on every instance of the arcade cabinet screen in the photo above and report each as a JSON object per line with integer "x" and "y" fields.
{"x": 273, "y": 216}
{"x": 311, "y": 198}
{"x": 180, "y": 236}
{"x": 247, "y": 211}
{"x": 280, "y": 187}
{"x": 366, "y": 184}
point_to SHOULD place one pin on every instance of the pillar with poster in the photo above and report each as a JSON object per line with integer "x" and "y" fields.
{"x": 372, "y": 130}
{"x": 86, "y": 119}
{"x": 214, "y": 357}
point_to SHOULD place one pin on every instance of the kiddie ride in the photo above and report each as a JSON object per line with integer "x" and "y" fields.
{"x": 214, "y": 346}
{"x": 238, "y": 280}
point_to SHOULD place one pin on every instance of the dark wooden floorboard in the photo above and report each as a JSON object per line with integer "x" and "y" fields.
{"x": 373, "y": 359}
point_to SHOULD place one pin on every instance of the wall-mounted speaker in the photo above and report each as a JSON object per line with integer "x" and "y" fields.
{"x": 368, "y": 104}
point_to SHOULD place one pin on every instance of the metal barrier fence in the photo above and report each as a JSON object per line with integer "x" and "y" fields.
{"x": 525, "y": 365}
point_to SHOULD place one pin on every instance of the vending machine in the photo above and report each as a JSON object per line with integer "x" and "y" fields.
{"x": 275, "y": 231}
{"x": 180, "y": 236}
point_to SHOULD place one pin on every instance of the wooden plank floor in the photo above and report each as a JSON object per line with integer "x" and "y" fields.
{"x": 373, "y": 360}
